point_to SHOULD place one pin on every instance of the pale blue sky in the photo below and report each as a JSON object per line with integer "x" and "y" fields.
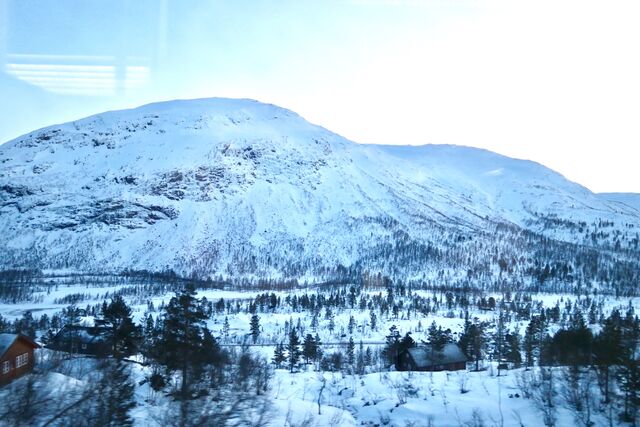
{"x": 551, "y": 81}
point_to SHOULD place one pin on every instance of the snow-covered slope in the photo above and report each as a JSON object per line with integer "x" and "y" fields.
{"x": 238, "y": 188}
{"x": 627, "y": 200}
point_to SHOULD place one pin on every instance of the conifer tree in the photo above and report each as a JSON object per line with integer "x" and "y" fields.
{"x": 406, "y": 342}
{"x": 392, "y": 347}
{"x": 352, "y": 325}
{"x": 4, "y": 324}
{"x": 373, "y": 320}
{"x": 368, "y": 357}
{"x": 149, "y": 335}
{"x": 309, "y": 348}
{"x": 512, "y": 348}
{"x": 293, "y": 349}
{"x": 351, "y": 350}
{"x": 70, "y": 315}
{"x": 125, "y": 335}
{"x": 26, "y": 325}
{"x": 255, "y": 327}
{"x": 352, "y": 296}
{"x": 532, "y": 340}
{"x": 226, "y": 327}
{"x": 437, "y": 337}
{"x": 279, "y": 356}
{"x": 360, "y": 364}
{"x": 184, "y": 343}
{"x": 472, "y": 340}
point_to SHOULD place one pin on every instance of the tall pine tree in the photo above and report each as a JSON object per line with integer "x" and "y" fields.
{"x": 184, "y": 343}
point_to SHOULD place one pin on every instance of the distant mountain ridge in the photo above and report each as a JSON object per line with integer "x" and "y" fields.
{"x": 631, "y": 200}
{"x": 236, "y": 188}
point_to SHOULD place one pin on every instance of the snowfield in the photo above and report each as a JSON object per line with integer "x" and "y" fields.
{"x": 396, "y": 399}
{"x": 380, "y": 397}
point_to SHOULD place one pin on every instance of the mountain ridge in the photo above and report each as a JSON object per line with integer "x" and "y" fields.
{"x": 237, "y": 188}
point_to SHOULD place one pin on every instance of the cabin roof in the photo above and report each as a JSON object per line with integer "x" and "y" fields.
{"x": 83, "y": 334}
{"x": 425, "y": 356}
{"x": 7, "y": 340}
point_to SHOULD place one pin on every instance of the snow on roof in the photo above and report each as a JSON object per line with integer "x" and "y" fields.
{"x": 425, "y": 356}
{"x": 87, "y": 321}
{"x": 83, "y": 334}
{"x": 6, "y": 340}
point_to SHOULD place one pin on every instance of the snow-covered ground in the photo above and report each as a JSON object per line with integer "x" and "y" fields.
{"x": 380, "y": 397}
{"x": 414, "y": 398}
{"x": 400, "y": 399}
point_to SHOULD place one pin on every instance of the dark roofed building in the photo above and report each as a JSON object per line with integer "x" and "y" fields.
{"x": 93, "y": 340}
{"x": 426, "y": 358}
{"x": 16, "y": 356}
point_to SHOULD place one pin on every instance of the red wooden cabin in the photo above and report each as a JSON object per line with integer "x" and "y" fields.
{"x": 16, "y": 356}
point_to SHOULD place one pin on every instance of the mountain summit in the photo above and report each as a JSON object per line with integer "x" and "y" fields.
{"x": 236, "y": 188}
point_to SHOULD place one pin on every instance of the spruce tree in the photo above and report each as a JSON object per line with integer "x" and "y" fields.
{"x": 183, "y": 345}
{"x": 293, "y": 349}
{"x": 373, "y": 320}
{"x": 4, "y": 324}
{"x": 531, "y": 342}
{"x": 406, "y": 342}
{"x": 352, "y": 325}
{"x": 70, "y": 315}
{"x": 26, "y": 325}
{"x": 473, "y": 339}
{"x": 351, "y": 352}
{"x": 368, "y": 357}
{"x": 437, "y": 337}
{"x": 149, "y": 335}
{"x": 392, "y": 347}
{"x": 309, "y": 348}
{"x": 279, "y": 356}
{"x": 360, "y": 359}
{"x": 499, "y": 342}
{"x": 255, "y": 327}
{"x": 226, "y": 327}
{"x": 124, "y": 334}
{"x": 332, "y": 324}
{"x": 512, "y": 348}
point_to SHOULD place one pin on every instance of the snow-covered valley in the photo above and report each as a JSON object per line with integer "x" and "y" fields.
{"x": 365, "y": 391}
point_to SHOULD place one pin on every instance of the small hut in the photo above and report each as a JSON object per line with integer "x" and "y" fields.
{"x": 427, "y": 358}
{"x": 93, "y": 340}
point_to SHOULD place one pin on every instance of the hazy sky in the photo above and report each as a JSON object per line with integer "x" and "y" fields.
{"x": 557, "y": 82}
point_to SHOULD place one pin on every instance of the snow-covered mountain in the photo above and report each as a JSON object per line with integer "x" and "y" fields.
{"x": 233, "y": 188}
